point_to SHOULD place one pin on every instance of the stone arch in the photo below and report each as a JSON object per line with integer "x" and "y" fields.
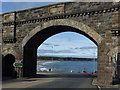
{"x": 44, "y": 31}
{"x": 9, "y": 51}
{"x": 7, "y": 64}
{"x": 65, "y": 22}
{"x": 15, "y": 52}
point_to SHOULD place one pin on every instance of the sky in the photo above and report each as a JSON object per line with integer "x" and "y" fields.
{"x": 66, "y": 44}
{"x": 16, "y": 6}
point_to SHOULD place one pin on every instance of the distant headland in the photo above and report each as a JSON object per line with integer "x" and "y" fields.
{"x": 52, "y": 58}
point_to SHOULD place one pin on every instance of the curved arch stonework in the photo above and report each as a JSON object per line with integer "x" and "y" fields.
{"x": 12, "y": 51}
{"x": 65, "y": 22}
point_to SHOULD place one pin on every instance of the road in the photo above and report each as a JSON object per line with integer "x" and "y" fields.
{"x": 52, "y": 80}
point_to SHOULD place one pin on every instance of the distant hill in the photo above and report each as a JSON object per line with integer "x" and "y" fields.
{"x": 48, "y": 58}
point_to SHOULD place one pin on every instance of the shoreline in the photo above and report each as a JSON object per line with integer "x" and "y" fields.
{"x": 41, "y": 61}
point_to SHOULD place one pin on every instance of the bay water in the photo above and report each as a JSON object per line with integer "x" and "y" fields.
{"x": 67, "y": 66}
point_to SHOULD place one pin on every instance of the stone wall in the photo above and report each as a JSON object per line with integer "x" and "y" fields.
{"x": 103, "y": 18}
{"x": 95, "y": 15}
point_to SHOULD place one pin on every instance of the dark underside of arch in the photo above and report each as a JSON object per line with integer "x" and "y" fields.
{"x": 30, "y": 49}
{"x": 7, "y": 65}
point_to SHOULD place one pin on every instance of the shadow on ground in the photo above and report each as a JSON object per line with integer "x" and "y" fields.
{"x": 63, "y": 75}
{"x": 116, "y": 82}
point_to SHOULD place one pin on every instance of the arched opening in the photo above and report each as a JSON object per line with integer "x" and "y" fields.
{"x": 30, "y": 48}
{"x": 65, "y": 52}
{"x": 7, "y": 65}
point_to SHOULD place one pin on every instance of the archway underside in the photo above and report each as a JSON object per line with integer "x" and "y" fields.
{"x": 7, "y": 65}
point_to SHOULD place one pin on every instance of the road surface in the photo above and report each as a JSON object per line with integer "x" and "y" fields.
{"x": 52, "y": 80}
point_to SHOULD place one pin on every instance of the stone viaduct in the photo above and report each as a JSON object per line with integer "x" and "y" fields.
{"x": 23, "y": 31}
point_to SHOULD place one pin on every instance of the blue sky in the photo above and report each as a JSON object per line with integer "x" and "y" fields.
{"x": 67, "y": 44}
{"x": 15, "y": 6}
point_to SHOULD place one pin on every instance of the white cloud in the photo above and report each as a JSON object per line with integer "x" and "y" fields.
{"x": 0, "y": 7}
{"x": 69, "y": 44}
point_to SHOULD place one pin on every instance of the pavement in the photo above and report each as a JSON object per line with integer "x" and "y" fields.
{"x": 52, "y": 80}
{"x": 114, "y": 86}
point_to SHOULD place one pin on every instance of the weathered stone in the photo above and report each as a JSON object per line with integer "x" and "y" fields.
{"x": 23, "y": 31}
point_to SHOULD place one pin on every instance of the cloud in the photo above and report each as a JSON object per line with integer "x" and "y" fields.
{"x": 56, "y": 45}
{"x": 89, "y": 47}
{"x": 47, "y": 44}
{"x": 50, "y": 44}
{"x": 54, "y": 51}
{"x": 68, "y": 53}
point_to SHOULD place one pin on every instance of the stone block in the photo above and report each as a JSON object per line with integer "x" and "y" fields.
{"x": 9, "y": 17}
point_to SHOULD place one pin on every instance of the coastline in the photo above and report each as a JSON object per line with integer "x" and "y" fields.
{"x": 41, "y": 61}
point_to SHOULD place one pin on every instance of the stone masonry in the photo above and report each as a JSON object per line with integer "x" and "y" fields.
{"x": 99, "y": 21}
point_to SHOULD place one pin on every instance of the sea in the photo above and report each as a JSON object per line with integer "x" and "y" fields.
{"x": 67, "y": 66}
